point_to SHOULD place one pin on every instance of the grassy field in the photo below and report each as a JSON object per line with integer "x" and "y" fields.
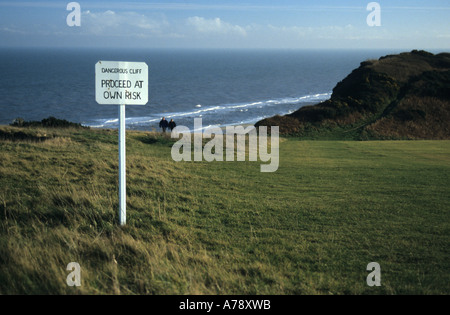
{"x": 223, "y": 227}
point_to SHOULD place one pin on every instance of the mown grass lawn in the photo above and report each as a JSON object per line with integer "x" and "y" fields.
{"x": 312, "y": 227}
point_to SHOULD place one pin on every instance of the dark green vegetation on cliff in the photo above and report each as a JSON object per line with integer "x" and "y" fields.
{"x": 405, "y": 96}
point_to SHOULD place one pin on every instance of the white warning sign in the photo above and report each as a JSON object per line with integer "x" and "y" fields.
{"x": 121, "y": 83}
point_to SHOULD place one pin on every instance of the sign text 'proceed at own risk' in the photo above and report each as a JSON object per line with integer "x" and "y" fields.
{"x": 121, "y": 83}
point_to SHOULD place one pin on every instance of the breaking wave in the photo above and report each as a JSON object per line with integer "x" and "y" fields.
{"x": 221, "y": 115}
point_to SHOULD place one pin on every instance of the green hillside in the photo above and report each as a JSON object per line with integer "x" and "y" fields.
{"x": 222, "y": 227}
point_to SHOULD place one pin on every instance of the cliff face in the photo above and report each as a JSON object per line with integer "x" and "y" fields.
{"x": 405, "y": 96}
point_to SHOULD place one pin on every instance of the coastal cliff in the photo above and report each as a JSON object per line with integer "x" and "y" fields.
{"x": 404, "y": 96}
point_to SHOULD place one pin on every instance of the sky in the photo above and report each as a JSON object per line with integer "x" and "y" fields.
{"x": 247, "y": 24}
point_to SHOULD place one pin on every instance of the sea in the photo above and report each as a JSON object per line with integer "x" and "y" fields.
{"x": 223, "y": 87}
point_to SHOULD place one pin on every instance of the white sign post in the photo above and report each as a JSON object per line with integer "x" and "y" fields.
{"x": 121, "y": 83}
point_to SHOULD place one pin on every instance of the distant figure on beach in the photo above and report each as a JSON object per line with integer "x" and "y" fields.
{"x": 172, "y": 124}
{"x": 163, "y": 124}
